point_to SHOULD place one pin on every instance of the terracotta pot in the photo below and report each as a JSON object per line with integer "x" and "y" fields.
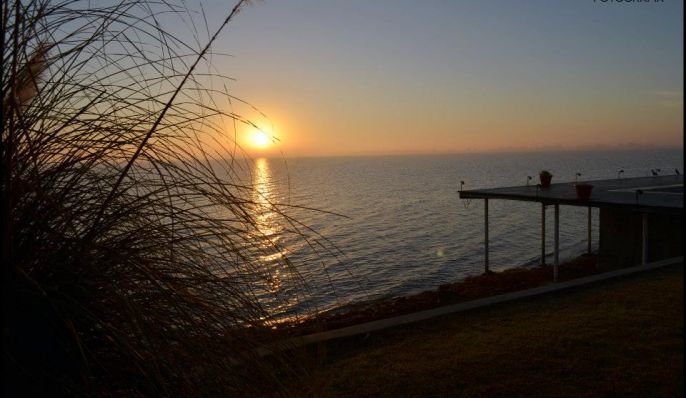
{"x": 545, "y": 180}
{"x": 583, "y": 191}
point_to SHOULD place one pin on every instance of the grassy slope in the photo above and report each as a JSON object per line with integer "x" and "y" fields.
{"x": 618, "y": 338}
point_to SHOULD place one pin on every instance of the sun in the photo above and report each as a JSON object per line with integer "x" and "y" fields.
{"x": 259, "y": 139}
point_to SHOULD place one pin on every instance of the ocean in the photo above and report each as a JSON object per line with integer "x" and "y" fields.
{"x": 388, "y": 226}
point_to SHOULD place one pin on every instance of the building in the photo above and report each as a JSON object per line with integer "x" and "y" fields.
{"x": 641, "y": 219}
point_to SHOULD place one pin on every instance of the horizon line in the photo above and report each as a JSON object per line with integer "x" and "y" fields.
{"x": 474, "y": 152}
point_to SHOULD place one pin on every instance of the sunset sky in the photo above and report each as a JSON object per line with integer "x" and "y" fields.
{"x": 437, "y": 76}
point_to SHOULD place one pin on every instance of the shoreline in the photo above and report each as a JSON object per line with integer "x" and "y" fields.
{"x": 470, "y": 288}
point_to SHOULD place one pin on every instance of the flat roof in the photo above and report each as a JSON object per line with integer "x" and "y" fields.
{"x": 663, "y": 194}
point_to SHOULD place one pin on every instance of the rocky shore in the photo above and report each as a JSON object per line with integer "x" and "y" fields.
{"x": 471, "y": 288}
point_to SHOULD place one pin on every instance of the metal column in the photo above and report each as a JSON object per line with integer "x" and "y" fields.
{"x": 644, "y": 243}
{"x": 486, "y": 234}
{"x": 542, "y": 234}
{"x": 590, "y": 215}
{"x": 556, "y": 264}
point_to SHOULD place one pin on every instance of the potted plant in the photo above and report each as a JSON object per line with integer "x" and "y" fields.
{"x": 583, "y": 191}
{"x": 545, "y": 177}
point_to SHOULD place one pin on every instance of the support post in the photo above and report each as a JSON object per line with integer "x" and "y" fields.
{"x": 556, "y": 264}
{"x": 644, "y": 238}
{"x": 590, "y": 230}
{"x": 542, "y": 234}
{"x": 486, "y": 234}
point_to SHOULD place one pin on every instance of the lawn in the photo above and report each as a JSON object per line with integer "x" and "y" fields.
{"x": 612, "y": 339}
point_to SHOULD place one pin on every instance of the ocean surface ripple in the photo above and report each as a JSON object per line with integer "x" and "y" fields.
{"x": 405, "y": 229}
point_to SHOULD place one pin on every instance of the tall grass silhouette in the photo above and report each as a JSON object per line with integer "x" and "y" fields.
{"x": 131, "y": 255}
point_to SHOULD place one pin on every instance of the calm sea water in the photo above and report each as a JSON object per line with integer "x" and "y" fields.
{"x": 400, "y": 227}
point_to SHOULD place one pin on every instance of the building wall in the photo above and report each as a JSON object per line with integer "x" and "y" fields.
{"x": 621, "y": 237}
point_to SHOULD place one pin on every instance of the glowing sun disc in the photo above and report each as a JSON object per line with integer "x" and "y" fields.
{"x": 259, "y": 139}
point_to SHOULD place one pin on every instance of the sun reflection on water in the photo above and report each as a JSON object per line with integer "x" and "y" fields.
{"x": 266, "y": 218}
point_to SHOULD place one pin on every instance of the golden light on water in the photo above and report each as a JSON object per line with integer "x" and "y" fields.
{"x": 262, "y": 196}
{"x": 273, "y": 250}
{"x": 266, "y": 217}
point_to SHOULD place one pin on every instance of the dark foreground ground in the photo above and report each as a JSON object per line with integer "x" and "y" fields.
{"x": 620, "y": 338}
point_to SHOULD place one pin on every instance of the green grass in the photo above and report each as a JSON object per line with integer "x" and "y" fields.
{"x": 617, "y": 338}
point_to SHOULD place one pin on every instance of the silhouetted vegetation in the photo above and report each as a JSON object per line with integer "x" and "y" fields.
{"x": 131, "y": 256}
